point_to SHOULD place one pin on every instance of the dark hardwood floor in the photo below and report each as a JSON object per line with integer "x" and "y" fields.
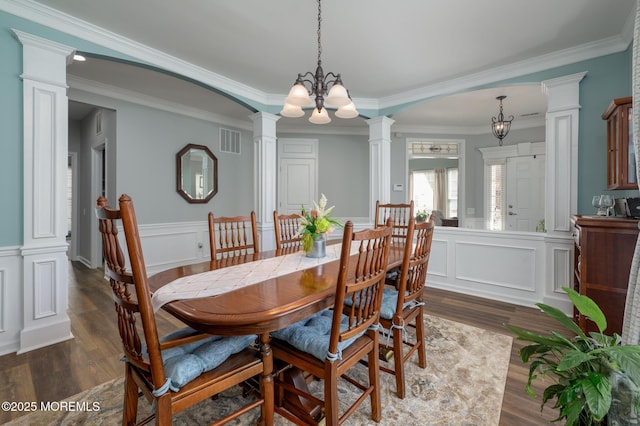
{"x": 92, "y": 357}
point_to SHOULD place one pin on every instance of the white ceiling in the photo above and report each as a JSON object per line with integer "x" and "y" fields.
{"x": 388, "y": 52}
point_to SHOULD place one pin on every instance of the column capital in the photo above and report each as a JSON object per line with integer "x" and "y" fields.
{"x": 264, "y": 123}
{"x": 44, "y": 60}
{"x": 563, "y": 93}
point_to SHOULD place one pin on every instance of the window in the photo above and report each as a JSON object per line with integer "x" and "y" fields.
{"x": 495, "y": 181}
{"x": 425, "y": 193}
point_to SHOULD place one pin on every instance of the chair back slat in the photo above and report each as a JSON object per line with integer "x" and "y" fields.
{"x": 232, "y": 236}
{"x": 399, "y": 213}
{"x": 287, "y": 227}
{"x": 413, "y": 273}
{"x": 130, "y": 289}
{"x": 360, "y": 280}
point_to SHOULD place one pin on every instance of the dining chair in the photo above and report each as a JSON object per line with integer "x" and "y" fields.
{"x": 182, "y": 368}
{"x": 232, "y": 236}
{"x": 400, "y": 214}
{"x": 287, "y": 227}
{"x": 404, "y": 307}
{"x": 330, "y": 342}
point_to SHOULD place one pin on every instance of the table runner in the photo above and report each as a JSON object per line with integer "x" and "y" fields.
{"x": 219, "y": 281}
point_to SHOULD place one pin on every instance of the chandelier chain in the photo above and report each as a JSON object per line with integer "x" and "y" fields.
{"x": 319, "y": 32}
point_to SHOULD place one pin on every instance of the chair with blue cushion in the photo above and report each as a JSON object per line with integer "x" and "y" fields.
{"x": 330, "y": 342}
{"x": 404, "y": 307}
{"x": 178, "y": 370}
{"x": 400, "y": 213}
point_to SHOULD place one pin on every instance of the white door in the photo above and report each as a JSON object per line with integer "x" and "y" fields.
{"x": 298, "y": 175}
{"x": 525, "y": 192}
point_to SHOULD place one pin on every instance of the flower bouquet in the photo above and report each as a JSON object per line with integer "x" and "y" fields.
{"x": 316, "y": 223}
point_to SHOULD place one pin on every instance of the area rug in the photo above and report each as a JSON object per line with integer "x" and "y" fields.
{"x": 463, "y": 384}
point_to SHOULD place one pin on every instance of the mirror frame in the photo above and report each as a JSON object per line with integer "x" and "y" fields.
{"x": 179, "y": 187}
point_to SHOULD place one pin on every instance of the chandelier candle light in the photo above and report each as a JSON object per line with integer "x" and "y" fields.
{"x": 499, "y": 125}
{"x": 320, "y": 85}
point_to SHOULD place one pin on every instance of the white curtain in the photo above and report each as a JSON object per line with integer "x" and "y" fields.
{"x": 631, "y": 326}
{"x": 440, "y": 192}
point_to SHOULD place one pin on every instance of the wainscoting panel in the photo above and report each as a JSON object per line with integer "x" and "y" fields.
{"x": 496, "y": 265}
{"x": 10, "y": 299}
{"x": 171, "y": 244}
{"x": 44, "y": 273}
{"x": 513, "y": 267}
{"x": 438, "y": 260}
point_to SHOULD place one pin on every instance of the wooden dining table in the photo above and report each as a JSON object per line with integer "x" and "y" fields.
{"x": 260, "y": 308}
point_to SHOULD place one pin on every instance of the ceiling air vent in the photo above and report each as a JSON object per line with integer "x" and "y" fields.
{"x": 229, "y": 141}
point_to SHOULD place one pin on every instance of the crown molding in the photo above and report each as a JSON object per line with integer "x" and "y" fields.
{"x": 516, "y": 69}
{"x": 57, "y": 20}
{"x": 63, "y": 22}
{"x": 467, "y": 130}
{"x": 114, "y": 92}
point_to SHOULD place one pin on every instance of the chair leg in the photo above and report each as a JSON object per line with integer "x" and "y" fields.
{"x": 163, "y": 410}
{"x": 398, "y": 355}
{"x": 130, "y": 411}
{"x": 331, "y": 403}
{"x": 374, "y": 380}
{"x": 422, "y": 359}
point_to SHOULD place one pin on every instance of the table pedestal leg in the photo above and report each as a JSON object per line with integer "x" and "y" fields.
{"x": 310, "y": 412}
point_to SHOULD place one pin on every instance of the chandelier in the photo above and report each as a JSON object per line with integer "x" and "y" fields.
{"x": 499, "y": 125}
{"x": 320, "y": 85}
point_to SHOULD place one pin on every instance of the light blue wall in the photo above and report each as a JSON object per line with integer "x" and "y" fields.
{"x": 10, "y": 138}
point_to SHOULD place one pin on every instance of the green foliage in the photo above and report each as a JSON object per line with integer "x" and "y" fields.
{"x": 315, "y": 223}
{"x": 580, "y": 366}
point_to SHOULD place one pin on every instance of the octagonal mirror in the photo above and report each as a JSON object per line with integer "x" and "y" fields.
{"x": 197, "y": 173}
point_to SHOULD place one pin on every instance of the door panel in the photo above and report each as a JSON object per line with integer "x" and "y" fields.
{"x": 525, "y": 192}
{"x": 298, "y": 174}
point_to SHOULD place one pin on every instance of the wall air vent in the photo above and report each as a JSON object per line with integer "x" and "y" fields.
{"x": 229, "y": 141}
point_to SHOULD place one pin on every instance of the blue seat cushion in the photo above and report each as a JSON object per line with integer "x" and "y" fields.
{"x": 186, "y": 362}
{"x": 389, "y": 302}
{"x": 311, "y": 335}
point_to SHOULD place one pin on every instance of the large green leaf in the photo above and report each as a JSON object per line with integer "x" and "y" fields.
{"x": 574, "y": 358}
{"x": 534, "y": 337}
{"x": 588, "y": 308}
{"x": 571, "y": 411}
{"x": 597, "y": 392}
{"x": 562, "y": 318}
{"x": 627, "y": 359}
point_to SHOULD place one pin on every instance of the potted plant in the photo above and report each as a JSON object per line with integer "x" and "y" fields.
{"x": 596, "y": 379}
{"x": 421, "y": 216}
{"x": 314, "y": 226}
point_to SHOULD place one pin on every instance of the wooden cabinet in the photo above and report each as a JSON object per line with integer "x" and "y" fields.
{"x": 602, "y": 260}
{"x": 621, "y": 162}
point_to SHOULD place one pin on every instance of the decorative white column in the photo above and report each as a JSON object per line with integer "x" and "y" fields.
{"x": 563, "y": 100}
{"x": 379, "y": 162}
{"x": 45, "y": 269}
{"x": 265, "y": 168}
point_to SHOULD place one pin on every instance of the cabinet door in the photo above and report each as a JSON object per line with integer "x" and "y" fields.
{"x": 628, "y": 177}
{"x": 613, "y": 149}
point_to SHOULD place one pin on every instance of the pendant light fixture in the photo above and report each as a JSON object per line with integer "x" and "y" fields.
{"x": 499, "y": 125}
{"x": 319, "y": 85}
